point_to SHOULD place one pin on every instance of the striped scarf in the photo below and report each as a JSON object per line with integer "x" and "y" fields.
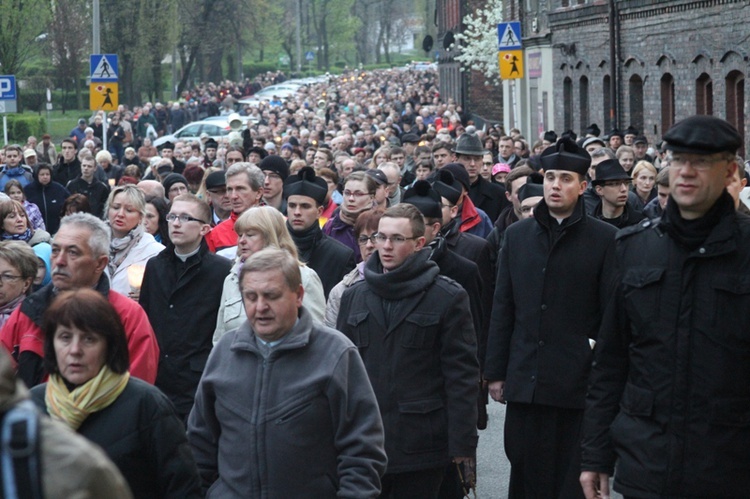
{"x": 72, "y": 408}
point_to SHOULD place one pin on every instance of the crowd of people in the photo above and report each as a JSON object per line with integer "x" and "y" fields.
{"x": 322, "y": 303}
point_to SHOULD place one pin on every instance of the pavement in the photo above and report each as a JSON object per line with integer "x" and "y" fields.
{"x": 493, "y": 468}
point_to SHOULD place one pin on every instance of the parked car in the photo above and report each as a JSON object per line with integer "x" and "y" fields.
{"x": 216, "y": 128}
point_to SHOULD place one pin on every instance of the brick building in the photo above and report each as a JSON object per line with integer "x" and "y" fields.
{"x": 661, "y": 61}
{"x": 480, "y": 102}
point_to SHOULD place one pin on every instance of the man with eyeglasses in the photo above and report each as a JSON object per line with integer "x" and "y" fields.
{"x": 415, "y": 334}
{"x": 276, "y": 170}
{"x": 668, "y": 392}
{"x": 181, "y": 293}
{"x": 612, "y": 185}
{"x": 554, "y": 272}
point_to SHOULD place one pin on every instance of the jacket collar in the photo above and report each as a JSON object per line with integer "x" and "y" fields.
{"x": 299, "y": 337}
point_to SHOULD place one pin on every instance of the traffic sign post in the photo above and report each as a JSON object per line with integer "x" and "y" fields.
{"x": 309, "y": 55}
{"x": 8, "y": 103}
{"x": 509, "y": 36}
{"x": 103, "y": 94}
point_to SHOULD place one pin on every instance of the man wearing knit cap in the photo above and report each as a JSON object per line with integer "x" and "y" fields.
{"x": 554, "y": 274}
{"x": 305, "y": 195}
{"x": 174, "y": 185}
{"x": 276, "y": 170}
{"x": 668, "y": 396}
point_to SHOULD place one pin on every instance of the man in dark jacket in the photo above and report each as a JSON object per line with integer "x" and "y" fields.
{"x": 552, "y": 281}
{"x": 488, "y": 197}
{"x": 414, "y": 332}
{"x": 305, "y": 196}
{"x": 668, "y": 395}
{"x": 612, "y": 185}
{"x": 48, "y": 195}
{"x": 181, "y": 293}
{"x": 68, "y": 167}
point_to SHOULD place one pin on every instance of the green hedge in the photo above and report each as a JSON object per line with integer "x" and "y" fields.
{"x": 21, "y": 126}
{"x": 33, "y": 102}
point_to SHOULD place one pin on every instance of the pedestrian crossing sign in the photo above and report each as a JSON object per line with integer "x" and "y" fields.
{"x": 509, "y": 36}
{"x": 103, "y": 68}
{"x": 511, "y": 64}
{"x": 103, "y": 97}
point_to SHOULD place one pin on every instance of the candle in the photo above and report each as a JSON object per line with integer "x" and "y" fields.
{"x": 135, "y": 276}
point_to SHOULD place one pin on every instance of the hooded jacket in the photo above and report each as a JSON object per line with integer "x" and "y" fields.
{"x": 49, "y": 198}
{"x": 22, "y": 173}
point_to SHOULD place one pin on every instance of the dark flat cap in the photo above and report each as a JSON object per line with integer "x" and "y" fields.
{"x": 425, "y": 198}
{"x": 616, "y": 132}
{"x": 610, "y": 169}
{"x": 276, "y": 164}
{"x": 378, "y": 176}
{"x": 530, "y": 190}
{"x": 306, "y": 183}
{"x": 459, "y": 174}
{"x": 447, "y": 186}
{"x": 640, "y": 140}
{"x": 702, "y": 135}
{"x": 211, "y": 144}
{"x": 216, "y": 179}
{"x": 566, "y": 155}
{"x": 410, "y": 138}
{"x": 550, "y": 136}
{"x": 257, "y": 150}
{"x": 631, "y": 130}
{"x": 469, "y": 144}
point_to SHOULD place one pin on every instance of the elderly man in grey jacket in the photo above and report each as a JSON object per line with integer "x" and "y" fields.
{"x": 285, "y": 407}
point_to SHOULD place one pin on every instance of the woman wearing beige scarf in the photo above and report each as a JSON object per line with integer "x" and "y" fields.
{"x": 91, "y": 391}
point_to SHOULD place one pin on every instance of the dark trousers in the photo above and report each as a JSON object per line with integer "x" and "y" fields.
{"x": 544, "y": 449}
{"x": 421, "y": 484}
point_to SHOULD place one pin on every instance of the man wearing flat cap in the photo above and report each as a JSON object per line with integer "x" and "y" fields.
{"x": 612, "y": 184}
{"x": 554, "y": 272}
{"x": 305, "y": 195}
{"x": 668, "y": 397}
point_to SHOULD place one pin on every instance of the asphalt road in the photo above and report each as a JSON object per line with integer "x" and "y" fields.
{"x": 493, "y": 468}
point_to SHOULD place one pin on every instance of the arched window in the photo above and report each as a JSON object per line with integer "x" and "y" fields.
{"x": 636, "y": 101}
{"x": 568, "y": 103}
{"x": 704, "y": 95}
{"x": 583, "y": 101}
{"x": 606, "y": 103}
{"x": 667, "y": 102}
{"x": 735, "y": 82}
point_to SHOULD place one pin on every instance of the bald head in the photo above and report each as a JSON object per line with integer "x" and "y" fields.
{"x": 152, "y": 188}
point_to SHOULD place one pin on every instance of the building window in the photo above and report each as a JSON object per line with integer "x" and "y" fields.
{"x": 583, "y": 98}
{"x": 735, "y": 82}
{"x": 636, "y": 102}
{"x": 704, "y": 95}
{"x": 606, "y": 104}
{"x": 667, "y": 102}
{"x": 568, "y": 103}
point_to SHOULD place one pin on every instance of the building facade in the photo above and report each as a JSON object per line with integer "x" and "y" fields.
{"x": 649, "y": 63}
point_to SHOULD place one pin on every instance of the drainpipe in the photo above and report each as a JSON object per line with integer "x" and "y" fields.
{"x": 614, "y": 79}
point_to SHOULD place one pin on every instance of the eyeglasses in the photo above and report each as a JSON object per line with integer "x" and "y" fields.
{"x": 8, "y": 278}
{"x": 171, "y": 218}
{"x": 356, "y": 194}
{"x": 362, "y": 240}
{"x": 487, "y": 163}
{"x": 701, "y": 163}
{"x": 272, "y": 175}
{"x": 395, "y": 240}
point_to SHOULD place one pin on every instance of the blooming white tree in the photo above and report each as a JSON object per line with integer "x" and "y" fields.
{"x": 477, "y": 44}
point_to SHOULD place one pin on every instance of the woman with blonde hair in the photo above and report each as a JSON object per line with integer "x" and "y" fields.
{"x": 644, "y": 180}
{"x": 258, "y": 228}
{"x": 381, "y": 155}
{"x": 131, "y": 244}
